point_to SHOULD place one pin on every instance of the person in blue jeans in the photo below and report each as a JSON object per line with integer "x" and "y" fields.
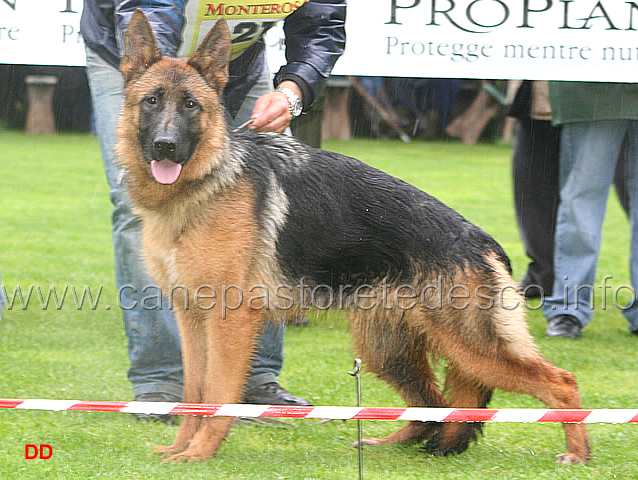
{"x": 596, "y": 118}
{"x": 315, "y": 38}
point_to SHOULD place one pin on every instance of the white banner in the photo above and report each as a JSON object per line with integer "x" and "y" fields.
{"x": 594, "y": 40}
{"x": 41, "y": 32}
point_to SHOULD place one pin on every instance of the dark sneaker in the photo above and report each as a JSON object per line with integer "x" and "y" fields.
{"x": 157, "y": 397}
{"x": 272, "y": 394}
{"x": 564, "y": 326}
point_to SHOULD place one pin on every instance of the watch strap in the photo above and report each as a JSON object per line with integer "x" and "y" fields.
{"x": 295, "y": 106}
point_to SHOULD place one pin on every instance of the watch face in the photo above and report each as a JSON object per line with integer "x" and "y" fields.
{"x": 296, "y": 107}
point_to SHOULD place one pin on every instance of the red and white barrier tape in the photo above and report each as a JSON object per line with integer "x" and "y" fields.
{"x": 521, "y": 415}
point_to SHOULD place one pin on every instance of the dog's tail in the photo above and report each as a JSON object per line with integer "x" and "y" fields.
{"x": 510, "y": 315}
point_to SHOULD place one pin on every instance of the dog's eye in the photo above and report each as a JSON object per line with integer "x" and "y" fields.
{"x": 190, "y": 103}
{"x": 152, "y": 100}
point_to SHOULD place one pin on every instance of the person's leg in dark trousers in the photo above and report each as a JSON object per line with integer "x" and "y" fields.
{"x": 620, "y": 177}
{"x": 307, "y": 127}
{"x": 535, "y": 171}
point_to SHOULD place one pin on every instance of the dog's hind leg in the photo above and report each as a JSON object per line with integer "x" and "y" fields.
{"x": 464, "y": 392}
{"x": 556, "y": 388}
{"x": 416, "y": 393}
{"x": 513, "y": 368}
{"x": 561, "y": 391}
{"x": 493, "y": 348}
{"x": 405, "y": 367}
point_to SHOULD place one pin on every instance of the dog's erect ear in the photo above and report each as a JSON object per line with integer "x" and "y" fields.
{"x": 211, "y": 58}
{"x": 140, "y": 47}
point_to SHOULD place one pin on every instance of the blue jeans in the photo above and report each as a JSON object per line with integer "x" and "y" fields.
{"x": 589, "y": 151}
{"x": 153, "y": 338}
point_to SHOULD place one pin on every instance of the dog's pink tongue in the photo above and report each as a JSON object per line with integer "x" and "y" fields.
{"x": 166, "y": 171}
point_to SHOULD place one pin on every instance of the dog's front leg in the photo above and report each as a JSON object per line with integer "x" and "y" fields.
{"x": 229, "y": 346}
{"x": 192, "y": 332}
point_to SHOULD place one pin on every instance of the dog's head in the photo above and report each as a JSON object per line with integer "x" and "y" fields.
{"x": 173, "y": 122}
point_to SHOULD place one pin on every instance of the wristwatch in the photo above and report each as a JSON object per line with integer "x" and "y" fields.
{"x": 295, "y": 105}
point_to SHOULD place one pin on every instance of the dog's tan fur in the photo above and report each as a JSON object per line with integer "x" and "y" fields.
{"x": 202, "y": 231}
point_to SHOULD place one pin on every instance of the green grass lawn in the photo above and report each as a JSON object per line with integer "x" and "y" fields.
{"x": 55, "y": 231}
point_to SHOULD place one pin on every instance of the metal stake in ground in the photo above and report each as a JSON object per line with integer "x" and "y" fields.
{"x": 355, "y": 374}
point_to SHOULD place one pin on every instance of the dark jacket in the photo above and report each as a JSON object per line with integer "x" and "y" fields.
{"x": 315, "y": 38}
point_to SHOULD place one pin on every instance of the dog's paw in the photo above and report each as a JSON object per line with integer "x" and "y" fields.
{"x": 369, "y": 441}
{"x": 166, "y": 450}
{"x": 570, "y": 459}
{"x": 196, "y": 451}
{"x": 184, "y": 457}
{"x": 189, "y": 455}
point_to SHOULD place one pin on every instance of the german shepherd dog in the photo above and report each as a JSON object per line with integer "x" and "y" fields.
{"x": 247, "y": 210}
